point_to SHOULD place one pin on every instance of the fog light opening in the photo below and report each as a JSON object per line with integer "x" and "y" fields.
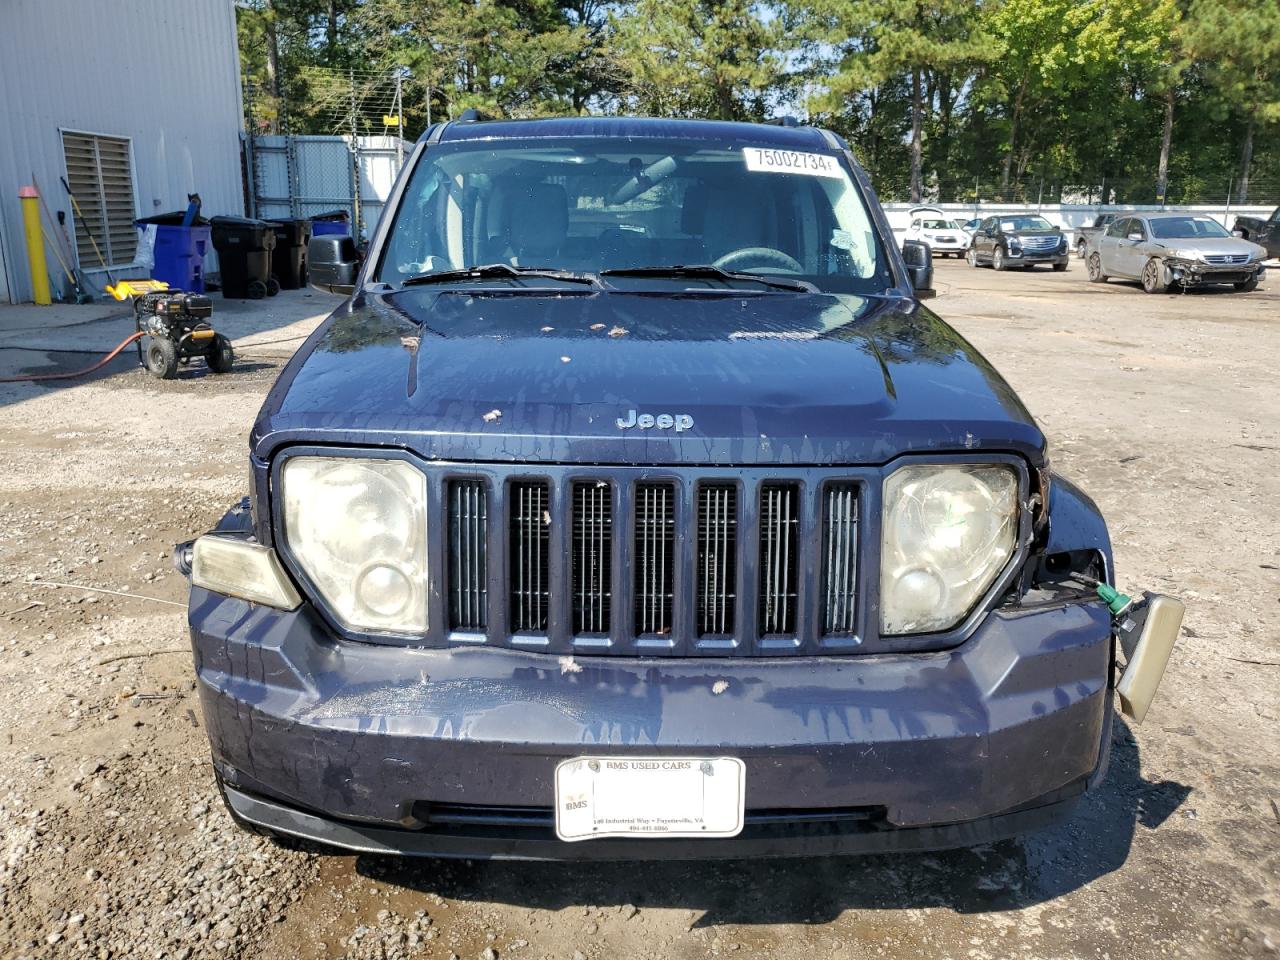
{"x": 384, "y": 589}
{"x": 917, "y": 593}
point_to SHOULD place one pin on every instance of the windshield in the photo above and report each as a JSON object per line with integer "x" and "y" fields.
{"x": 590, "y": 204}
{"x": 1013, "y": 224}
{"x": 1180, "y": 228}
{"x": 939, "y": 225}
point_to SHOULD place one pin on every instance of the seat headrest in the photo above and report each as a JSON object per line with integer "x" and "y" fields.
{"x": 693, "y": 211}
{"x": 539, "y": 220}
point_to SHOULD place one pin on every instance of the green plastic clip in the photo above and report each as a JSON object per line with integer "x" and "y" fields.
{"x": 1116, "y": 601}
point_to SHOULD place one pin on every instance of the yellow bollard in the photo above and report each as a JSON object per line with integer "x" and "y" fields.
{"x": 35, "y": 245}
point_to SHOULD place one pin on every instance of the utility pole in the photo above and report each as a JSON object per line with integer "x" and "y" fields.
{"x": 356, "y": 171}
{"x": 399, "y": 119}
{"x": 251, "y": 157}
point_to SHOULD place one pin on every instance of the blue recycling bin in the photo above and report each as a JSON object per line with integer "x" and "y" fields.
{"x": 335, "y": 223}
{"x": 179, "y": 255}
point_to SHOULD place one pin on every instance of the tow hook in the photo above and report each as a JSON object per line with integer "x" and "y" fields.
{"x": 1146, "y": 629}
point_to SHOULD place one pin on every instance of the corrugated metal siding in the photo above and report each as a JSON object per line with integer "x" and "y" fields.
{"x": 163, "y": 74}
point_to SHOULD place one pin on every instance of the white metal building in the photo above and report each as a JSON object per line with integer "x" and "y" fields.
{"x": 136, "y": 102}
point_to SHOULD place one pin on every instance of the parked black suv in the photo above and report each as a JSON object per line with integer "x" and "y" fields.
{"x": 1019, "y": 240}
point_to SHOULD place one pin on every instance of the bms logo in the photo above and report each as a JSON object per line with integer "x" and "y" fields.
{"x": 663, "y": 421}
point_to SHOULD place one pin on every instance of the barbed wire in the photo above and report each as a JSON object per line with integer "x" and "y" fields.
{"x": 316, "y": 99}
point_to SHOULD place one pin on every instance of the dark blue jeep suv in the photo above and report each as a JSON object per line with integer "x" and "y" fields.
{"x": 634, "y": 506}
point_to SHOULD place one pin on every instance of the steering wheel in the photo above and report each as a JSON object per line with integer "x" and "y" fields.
{"x": 758, "y": 257}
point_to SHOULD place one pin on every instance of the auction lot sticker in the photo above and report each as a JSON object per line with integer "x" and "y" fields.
{"x": 764, "y": 160}
{"x": 649, "y": 796}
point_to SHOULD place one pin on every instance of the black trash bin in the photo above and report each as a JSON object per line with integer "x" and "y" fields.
{"x": 244, "y": 254}
{"x": 289, "y": 259}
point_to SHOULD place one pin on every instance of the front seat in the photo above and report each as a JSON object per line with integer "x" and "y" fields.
{"x": 731, "y": 221}
{"x": 539, "y": 224}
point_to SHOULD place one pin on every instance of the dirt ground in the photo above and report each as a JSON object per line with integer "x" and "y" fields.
{"x": 113, "y": 844}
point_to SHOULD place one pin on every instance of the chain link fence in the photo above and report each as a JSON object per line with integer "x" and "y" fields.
{"x": 323, "y": 142}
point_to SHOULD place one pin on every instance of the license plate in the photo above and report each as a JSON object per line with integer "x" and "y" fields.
{"x": 649, "y": 796}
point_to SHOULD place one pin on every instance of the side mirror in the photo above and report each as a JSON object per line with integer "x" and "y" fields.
{"x": 1238, "y": 233}
{"x": 1134, "y": 236}
{"x": 919, "y": 260}
{"x": 332, "y": 264}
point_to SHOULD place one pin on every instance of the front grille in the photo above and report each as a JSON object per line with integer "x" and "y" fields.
{"x": 717, "y": 558}
{"x": 1040, "y": 244}
{"x": 840, "y": 558}
{"x": 744, "y": 563}
{"x": 530, "y": 562}
{"x": 654, "y": 557}
{"x": 1227, "y": 258}
{"x": 592, "y": 560}
{"x": 779, "y": 518}
{"x": 468, "y": 555}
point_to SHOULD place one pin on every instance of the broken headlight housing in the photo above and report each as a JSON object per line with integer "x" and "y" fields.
{"x": 946, "y": 533}
{"x": 358, "y": 528}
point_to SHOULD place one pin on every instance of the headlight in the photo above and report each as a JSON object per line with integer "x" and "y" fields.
{"x": 946, "y": 533}
{"x": 358, "y": 527}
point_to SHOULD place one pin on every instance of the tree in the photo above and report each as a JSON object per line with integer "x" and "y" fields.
{"x": 705, "y": 58}
{"x": 502, "y": 57}
{"x": 1147, "y": 99}
{"x": 875, "y": 42}
{"x": 1240, "y": 44}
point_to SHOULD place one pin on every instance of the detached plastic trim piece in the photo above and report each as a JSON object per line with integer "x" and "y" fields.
{"x": 239, "y": 568}
{"x": 1142, "y": 675}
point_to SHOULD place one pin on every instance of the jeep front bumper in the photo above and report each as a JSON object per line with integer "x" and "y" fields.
{"x": 451, "y": 752}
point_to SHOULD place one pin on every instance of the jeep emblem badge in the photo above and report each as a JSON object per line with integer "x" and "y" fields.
{"x": 663, "y": 421}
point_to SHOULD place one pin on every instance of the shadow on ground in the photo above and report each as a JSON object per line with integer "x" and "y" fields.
{"x": 998, "y": 877}
{"x": 262, "y": 330}
{"x": 37, "y": 362}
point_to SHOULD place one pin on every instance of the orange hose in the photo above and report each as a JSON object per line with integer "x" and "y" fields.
{"x": 31, "y": 377}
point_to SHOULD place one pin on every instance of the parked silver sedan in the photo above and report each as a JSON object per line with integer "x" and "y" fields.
{"x": 1164, "y": 250}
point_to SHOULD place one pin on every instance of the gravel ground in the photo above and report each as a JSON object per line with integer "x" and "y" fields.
{"x": 113, "y": 843}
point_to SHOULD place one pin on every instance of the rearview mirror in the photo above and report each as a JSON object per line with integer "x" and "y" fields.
{"x": 332, "y": 264}
{"x": 918, "y": 257}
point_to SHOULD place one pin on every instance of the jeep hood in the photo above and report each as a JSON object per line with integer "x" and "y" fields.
{"x": 775, "y": 378}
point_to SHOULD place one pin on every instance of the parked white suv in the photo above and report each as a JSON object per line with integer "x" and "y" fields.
{"x": 944, "y": 235}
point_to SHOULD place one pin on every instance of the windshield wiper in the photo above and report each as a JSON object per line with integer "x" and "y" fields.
{"x": 505, "y": 270}
{"x": 712, "y": 272}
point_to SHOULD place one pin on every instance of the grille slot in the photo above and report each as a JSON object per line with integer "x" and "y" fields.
{"x": 840, "y": 568}
{"x": 779, "y": 525}
{"x": 530, "y": 568}
{"x": 717, "y": 558}
{"x": 654, "y": 558}
{"x": 592, "y": 556}
{"x": 468, "y": 555}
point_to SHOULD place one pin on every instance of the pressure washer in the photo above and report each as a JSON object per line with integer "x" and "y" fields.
{"x": 173, "y": 328}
